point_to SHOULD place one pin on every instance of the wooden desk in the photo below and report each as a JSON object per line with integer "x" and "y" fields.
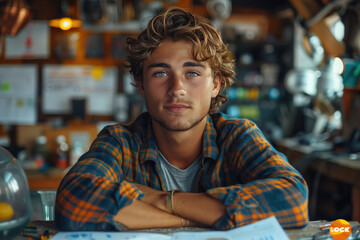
{"x": 294, "y": 234}
{"x": 44, "y": 180}
{"x": 340, "y": 168}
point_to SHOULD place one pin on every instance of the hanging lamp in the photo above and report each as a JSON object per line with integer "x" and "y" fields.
{"x": 66, "y": 22}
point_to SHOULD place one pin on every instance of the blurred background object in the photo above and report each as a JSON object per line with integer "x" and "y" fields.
{"x": 14, "y": 14}
{"x": 219, "y": 10}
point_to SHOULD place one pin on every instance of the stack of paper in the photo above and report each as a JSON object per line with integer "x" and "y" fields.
{"x": 267, "y": 229}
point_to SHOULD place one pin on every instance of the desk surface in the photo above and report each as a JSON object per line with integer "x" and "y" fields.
{"x": 294, "y": 234}
{"x": 339, "y": 167}
{"x": 345, "y": 167}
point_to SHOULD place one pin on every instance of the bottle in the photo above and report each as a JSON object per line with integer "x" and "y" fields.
{"x": 76, "y": 152}
{"x": 41, "y": 152}
{"x": 61, "y": 152}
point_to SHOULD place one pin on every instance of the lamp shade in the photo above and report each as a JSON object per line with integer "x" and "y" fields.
{"x": 65, "y": 23}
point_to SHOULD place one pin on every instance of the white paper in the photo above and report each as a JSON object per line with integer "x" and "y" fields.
{"x": 110, "y": 236}
{"x": 267, "y": 229}
{"x": 18, "y": 94}
{"x": 97, "y": 84}
{"x": 33, "y": 41}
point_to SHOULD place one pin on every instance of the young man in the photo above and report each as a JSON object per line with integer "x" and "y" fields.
{"x": 223, "y": 170}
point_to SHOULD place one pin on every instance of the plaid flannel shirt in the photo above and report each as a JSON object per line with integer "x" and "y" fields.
{"x": 239, "y": 167}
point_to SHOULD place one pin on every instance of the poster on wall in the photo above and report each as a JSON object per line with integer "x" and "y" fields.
{"x": 62, "y": 84}
{"x": 32, "y": 41}
{"x": 18, "y": 94}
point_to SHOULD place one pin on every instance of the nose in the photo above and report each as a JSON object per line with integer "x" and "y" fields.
{"x": 176, "y": 88}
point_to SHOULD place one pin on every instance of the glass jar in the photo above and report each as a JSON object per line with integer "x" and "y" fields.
{"x": 15, "y": 201}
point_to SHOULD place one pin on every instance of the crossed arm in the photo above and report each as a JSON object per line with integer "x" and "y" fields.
{"x": 96, "y": 195}
{"x": 85, "y": 202}
{"x": 191, "y": 209}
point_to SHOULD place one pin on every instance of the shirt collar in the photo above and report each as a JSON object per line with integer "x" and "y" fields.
{"x": 210, "y": 149}
{"x": 148, "y": 148}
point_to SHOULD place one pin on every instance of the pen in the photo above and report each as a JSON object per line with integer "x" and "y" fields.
{"x": 325, "y": 226}
{"x": 29, "y": 229}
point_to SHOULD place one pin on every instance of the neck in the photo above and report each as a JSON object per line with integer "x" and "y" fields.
{"x": 180, "y": 148}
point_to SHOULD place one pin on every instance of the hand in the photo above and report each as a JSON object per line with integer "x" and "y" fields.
{"x": 153, "y": 197}
{"x": 189, "y": 223}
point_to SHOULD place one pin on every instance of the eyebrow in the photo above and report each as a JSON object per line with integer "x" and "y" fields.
{"x": 186, "y": 64}
{"x": 193, "y": 64}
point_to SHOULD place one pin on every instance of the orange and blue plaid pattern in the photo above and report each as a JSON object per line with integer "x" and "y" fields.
{"x": 239, "y": 168}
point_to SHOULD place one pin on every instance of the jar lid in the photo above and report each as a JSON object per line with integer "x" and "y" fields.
{"x": 5, "y": 156}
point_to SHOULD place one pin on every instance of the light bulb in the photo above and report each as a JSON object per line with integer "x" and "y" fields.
{"x": 65, "y": 23}
{"x": 338, "y": 65}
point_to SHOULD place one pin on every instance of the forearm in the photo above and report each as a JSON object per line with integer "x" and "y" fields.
{"x": 86, "y": 202}
{"x": 197, "y": 207}
{"x": 140, "y": 215}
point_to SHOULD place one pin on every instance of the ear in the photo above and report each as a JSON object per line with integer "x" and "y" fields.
{"x": 216, "y": 86}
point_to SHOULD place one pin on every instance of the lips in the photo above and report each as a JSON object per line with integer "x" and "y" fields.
{"x": 176, "y": 108}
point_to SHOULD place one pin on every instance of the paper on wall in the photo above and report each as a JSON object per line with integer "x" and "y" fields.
{"x": 61, "y": 83}
{"x": 18, "y": 94}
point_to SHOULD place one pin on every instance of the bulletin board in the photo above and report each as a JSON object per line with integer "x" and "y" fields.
{"x": 61, "y": 84}
{"x": 18, "y": 94}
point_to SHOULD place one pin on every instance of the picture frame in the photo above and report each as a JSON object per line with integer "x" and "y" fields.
{"x": 94, "y": 46}
{"x": 66, "y": 45}
{"x": 118, "y": 46}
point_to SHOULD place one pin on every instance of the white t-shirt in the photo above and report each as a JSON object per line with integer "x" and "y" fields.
{"x": 176, "y": 178}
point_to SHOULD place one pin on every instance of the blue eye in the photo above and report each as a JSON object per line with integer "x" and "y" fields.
{"x": 193, "y": 74}
{"x": 159, "y": 74}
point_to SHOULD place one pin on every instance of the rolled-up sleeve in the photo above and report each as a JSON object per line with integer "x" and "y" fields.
{"x": 267, "y": 185}
{"x": 249, "y": 203}
{"x": 94, "y": 190}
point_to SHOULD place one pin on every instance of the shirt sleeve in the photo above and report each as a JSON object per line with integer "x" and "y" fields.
{"x": 267, "y": 184}
{"x": 94, "y": 190}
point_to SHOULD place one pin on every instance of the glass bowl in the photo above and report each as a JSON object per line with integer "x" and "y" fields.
{"x": 15, "y": 201}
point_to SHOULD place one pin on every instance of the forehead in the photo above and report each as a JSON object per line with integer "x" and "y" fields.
{"x": 173, "y": 51}
{"x": 170, "y": 48}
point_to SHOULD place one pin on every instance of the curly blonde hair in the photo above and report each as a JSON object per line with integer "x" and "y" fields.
{"x": 178, "y": 24}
